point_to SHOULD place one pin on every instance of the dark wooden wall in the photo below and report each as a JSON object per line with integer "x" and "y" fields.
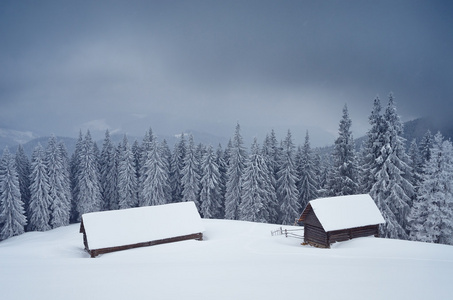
{"x": 314, "y": 233}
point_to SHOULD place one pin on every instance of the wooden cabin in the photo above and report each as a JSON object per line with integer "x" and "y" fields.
{"x": 116, "y": 230}
{"x": 336, "y": 219}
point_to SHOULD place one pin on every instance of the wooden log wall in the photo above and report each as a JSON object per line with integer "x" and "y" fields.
{"x": 315, "y": 236}
{"x": 95, "y": 252}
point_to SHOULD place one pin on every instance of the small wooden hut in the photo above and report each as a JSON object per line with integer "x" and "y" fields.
{"x": 336, "y": 219}
{"x": 116, "y": 230}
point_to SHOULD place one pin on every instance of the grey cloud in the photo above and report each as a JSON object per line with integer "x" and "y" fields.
{"x": 196, "y": 64}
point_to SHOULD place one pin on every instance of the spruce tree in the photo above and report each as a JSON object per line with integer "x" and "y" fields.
{"x": 23, "y": 172}
{"x": 12, "y": 214}
{"x": 66, "y": 175}
{"x": 258, "y": 194}
{"x": 287, "y": 193}
{"x": 220, "y": 160}
{"x": 270, "y": 152}
{"x": 137, "y": 153}
{"x": 60, "y": 203}
{"x": 210, "y": 193}
{"x": 236, "y": 165}
{"x": 307, "y": 183}
{"x": 392, "y": 191}
{"x": 88, "y": 197}
{"x": 155, "y": 189}
{"x": 146, "y": 149}
{"x": 190, "y": 177}
{"x": 41, "y": 199}
{"x": 431, "y": 216}
{"x": 109, "y": 174}
{"x": 74, "y": 171}
{"x": 372, "y": 148}
{"x": 344, "y": 176}
{"x": 177, "y": 164}
{"x": 127, "y": 177}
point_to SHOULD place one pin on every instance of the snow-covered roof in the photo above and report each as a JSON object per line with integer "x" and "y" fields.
{"x": 336, "y": 213}
{"x": 136, "y": 225}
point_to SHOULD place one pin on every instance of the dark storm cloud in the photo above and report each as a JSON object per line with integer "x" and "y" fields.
{"x": 205, "y": 65}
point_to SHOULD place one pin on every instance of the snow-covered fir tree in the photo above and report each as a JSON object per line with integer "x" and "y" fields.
{"x": 392, "y": 191}
{"x": 23, "y": 172}
{"x": 426, "y": 144}
{"x": 137, "y": 153}
{"x": 287, "y": 193}
{"x": 177, "y": 164}
{"x": 109, "y": 174}
{"x": 220, "y": 160}
{"x": 88, "y": 197}
{"x": 74, "y": 170}
{"x": 146, "y": 149}
{"x": 307, "y": 184}
{"x": 66, "y": 174}
{"x": 372, "y": 147}
{"x": 431, "y": 216}
{"x": 258, "y": 193}
{"x": 236, "y": 166}
{"x": 343, "y": 179}
{"x": 271, "y": 153}
{"x": 190, "y": 177}
{"x": 41, "y": 199}
{"x": 156, "y": 188}
{"x": 416, "y": 164}
{"x": 60, "y": 202}
{"x": 210, "y": 193}
{"x": 12, "y": 214}
{"x": 127, "y": 177}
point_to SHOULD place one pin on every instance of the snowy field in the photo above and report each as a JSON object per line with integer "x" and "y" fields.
{"x": 237, "y": 260}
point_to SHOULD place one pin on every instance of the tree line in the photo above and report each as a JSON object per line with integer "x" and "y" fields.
{"x": 269, "y": 183}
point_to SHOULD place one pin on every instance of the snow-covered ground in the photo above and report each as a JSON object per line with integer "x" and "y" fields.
{"x": 237, "y": 260}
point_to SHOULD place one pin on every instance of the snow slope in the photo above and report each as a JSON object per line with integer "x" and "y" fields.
{"x": 237, "y": 260}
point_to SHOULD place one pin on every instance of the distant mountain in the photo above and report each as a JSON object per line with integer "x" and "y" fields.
{"x": 29, "y": 140}
{"x": 417, "y": 128}
{"x": 12, "y": 138}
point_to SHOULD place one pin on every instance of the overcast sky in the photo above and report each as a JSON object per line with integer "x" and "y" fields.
{"x": 205, "y": 65}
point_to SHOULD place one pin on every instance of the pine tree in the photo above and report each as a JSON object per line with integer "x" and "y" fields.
{"x": 372, "y": 148}
{"x": 271, "y": 155}
{"x": 432, "y": 214}
{"x": 88, "y": 197}
{"x": 40, "y": 201}
{"x": 177, "y": 164}
{"x": 287, "y": 193}
{"x": 127, "y": 177}
{"x": 23, "y": 172}
{"x": 236, "y": 165}
{"x": 66, "y": 175}
{"x": 137, "y": 153}
{"x": 344, "y": 177}
{"x": 12, "y": 214}
{"x": 210, "y": 193}
{"x": 220, "y": 160}
{"x": 156, "y": 189}
{"x": 108, "y": 174}
{"x": 146, "y": 149}
{"x": 258, "y": 194}
{"x": 74, "y": 171}
{"x": 307, "y": 183}
{"x": 426, "y": 145}
{"x": 190, "y": 178}
{"x": 392, "y": 190}
{"x": 60, "y": 203}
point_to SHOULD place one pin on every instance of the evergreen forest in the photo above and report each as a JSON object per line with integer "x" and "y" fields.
{"x": 410, "y": 181}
